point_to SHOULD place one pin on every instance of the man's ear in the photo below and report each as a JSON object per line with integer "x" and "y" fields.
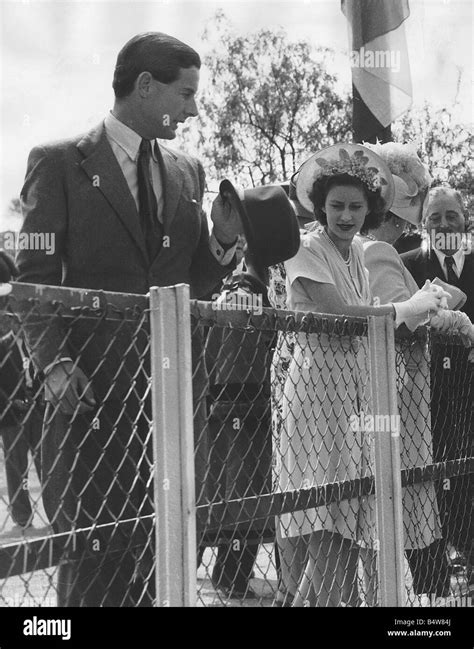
{"x": 143, "y": 83}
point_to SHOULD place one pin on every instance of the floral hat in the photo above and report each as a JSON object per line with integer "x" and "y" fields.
{"x": 410, "y": 176}
{"x": 352, "y": 159}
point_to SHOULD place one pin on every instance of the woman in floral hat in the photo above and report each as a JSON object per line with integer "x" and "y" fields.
{"x": 390, "y": 280}
{"x": 347, "y": 187}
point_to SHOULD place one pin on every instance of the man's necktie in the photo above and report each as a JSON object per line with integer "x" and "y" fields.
{"x": 452, "y": 277}
{"x": 152, "y": 228}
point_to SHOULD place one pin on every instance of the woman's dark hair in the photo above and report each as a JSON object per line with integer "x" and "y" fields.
{"x": 154, "y": 52}
{"x": 321, "y": 188}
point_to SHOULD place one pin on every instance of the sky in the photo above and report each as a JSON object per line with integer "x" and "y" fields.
{"x": 57, "y": 58}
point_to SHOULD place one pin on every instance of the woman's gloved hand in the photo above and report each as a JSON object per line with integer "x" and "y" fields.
{"x": 426, "y": 299}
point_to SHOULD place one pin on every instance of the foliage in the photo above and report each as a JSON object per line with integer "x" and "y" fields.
{"x": 268, "y": 103}
{"x": 444, "y": 144}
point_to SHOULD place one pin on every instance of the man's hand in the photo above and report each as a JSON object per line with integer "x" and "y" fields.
{"x": 68, "y": 387}
{"x": 226, "y": 219}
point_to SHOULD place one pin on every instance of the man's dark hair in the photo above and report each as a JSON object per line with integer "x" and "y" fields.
{"x": 321, "y": 188}
{"x": 153, "y": 52}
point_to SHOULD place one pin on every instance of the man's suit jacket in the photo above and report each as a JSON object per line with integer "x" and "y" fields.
{"x": 76, "y": 189}
{"x": 452, "y": 388}
{"x": 425, "y": 265}
{"x": 12, "y": 382}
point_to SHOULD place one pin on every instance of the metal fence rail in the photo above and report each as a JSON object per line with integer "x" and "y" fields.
{"x": 405, "y": 478}
{"x": 275, "y": 407}
{"x": 91, "y": 496}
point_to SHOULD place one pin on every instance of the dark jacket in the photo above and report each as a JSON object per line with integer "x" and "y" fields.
{"x": 15, "y": 396}
{"x": 76, "y": 190}
{"x": 425, "y": 265}
{"x": 238, "y": 361}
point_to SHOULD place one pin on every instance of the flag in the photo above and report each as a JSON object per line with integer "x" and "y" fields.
{"x": 381, "y": 79}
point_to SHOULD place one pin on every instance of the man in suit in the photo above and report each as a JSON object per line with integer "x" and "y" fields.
{"x": 126, "y": 214}
{"x": 450, "y": 258}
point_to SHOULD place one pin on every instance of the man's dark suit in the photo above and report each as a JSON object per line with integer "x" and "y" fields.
{"x": 76, "y": 190}
{"x": 21, "y": 419}
{"x": 452, "y": 403}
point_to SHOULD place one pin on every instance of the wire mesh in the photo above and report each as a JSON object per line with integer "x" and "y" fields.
{"x": 300, "y": 528}
{"x": 284, "y": 435}
{"x": 436, "y": 409}
{"x": 293, "y": 491}
{"x": 78, "y": 530}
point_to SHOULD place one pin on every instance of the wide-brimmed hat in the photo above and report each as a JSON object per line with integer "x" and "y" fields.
{"x": 407, "y": 205}
{"x": 269, "y": 221}
{"x": 352, "y": 159}
{"x": 410, "y": 176}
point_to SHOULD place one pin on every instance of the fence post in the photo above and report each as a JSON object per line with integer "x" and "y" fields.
{"x": 171, "y": 366}
{"x": 388, "y": 486}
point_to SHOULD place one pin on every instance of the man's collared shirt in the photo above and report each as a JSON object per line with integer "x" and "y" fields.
{"x": 125, "y": 143}
{"x": 458, "y": 259}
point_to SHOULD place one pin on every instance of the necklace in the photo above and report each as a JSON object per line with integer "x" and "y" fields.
{"x": 349, "y": 258}
{"x": 347, "y": 263}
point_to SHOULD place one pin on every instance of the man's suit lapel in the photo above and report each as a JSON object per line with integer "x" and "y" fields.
{"x": 434, "y": 266}
{"x": 172, "y": 176}
{"x": 468, "y": 268}
{"x": 101, "y": 165}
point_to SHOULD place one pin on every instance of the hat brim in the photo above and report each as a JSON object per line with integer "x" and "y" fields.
{"x": 312, "y": 169}
{"x": 406, "y": 206}
{"x": 407, "y": 214}
{"x": 229, "y": 192}
{"x": 268, "y": 219}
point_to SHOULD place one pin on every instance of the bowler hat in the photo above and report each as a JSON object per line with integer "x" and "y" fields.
{"x": 269, "y": 221}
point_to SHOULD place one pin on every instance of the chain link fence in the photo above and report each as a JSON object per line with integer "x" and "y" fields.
{"x": 77, "y": 523}
{"x": 435, "y": 392}
{"x": 329, "y": 486}
{"x": 277, "y": 458}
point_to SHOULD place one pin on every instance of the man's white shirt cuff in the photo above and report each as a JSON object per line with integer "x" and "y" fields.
{"x": 224, "y": 257}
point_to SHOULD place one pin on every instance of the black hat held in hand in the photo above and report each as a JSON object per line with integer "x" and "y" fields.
{"x": 269, "y": 221}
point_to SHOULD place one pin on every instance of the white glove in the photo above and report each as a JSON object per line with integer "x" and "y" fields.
{"x": 426, "y": 299}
